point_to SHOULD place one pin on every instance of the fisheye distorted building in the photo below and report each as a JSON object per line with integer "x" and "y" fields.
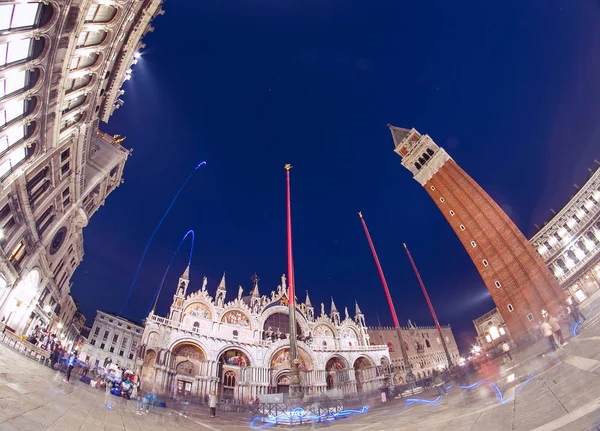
{"x": 517, "y": 278}
{"x": 240, "y": 348}
{"x": 112, "y": 340}
{"x": 423, "y": 346}
{"x": 570, "y": 242}
{"x": 62, "y": 65}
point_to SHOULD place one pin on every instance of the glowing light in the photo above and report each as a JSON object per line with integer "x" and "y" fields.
{"x": 137, "y": 271}
{"x": 299, "y": 415}
{"x": 59, "y": 326}
{"x": 411, "y": 401}
{"x": 502, "y": 331}
{"x": 155, "y": 299}
{"x": 494, "y": 332}
{"x": 137, "y": 55}
{"x": 574, "y": 332}
{"x": 47, "y": 308}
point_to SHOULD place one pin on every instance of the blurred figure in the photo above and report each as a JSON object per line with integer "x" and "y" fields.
{"x": 212, "y": 404}
{"x": 546, "y": 330}
{"x": 438, "y": 383}
{"x": 556, "y": 330}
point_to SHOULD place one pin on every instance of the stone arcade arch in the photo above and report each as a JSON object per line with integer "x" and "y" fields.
{"x": 147, "y": 375}
{"x": 280, "y": 368}
{"x": 186, "y": 359}
{"x": 338, "y": 373}
{"x": 365, "y": 374}
{"x": 231, "y": 362}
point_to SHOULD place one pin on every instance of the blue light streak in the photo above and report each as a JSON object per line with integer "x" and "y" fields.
{"x": 574, "y": 332}
{"x": 499, "y": 394}
{"x": 299, "y": 414}
{"x": 411, "y": 401}
{"x": 155, "y": 298}
{"x": 137, "y": 271}
{"x": 474, "y": 385}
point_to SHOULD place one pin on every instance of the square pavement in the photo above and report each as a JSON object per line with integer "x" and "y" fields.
{"x": 563, "y": 394}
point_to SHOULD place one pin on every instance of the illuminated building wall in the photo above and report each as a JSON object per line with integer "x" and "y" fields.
{"x": 492, "y": 331}
{"x": 240, "y": 348}
{"x": 423, "y": 346}
{"x": 570, "y": 243}
{"x": 62, "y": 65}
{"x": 112, "y": 339}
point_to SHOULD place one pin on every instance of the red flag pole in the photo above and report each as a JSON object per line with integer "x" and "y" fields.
{"x": 289, "y": 239}
{"x": 409, "y": 374}
{"x": 295, "y": 390}
{"x": 435, "y": 319}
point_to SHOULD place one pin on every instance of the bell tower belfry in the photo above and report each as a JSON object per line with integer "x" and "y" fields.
{"x": 176, "y": 307}
{"x": 520, "y": 283}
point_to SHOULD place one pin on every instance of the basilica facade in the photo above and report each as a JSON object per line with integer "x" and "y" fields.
{"x": 240, "y": 348}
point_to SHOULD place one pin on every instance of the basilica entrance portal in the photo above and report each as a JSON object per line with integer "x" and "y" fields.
{"x": 283, "y": 384}
{"x": 361, "y": 367}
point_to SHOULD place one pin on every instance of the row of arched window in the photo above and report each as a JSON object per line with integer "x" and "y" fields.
{"x": 22, "y": 54}
{"x": 424, "y": 158}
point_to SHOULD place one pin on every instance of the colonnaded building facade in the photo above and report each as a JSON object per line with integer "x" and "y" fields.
{"x": 423, "y": 346}
{"x": 240, "y": 349}
{"x": 570, "y": 242}
{"x": 62, "y": 65}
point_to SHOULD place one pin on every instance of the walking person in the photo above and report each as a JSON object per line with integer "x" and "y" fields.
{"x": 575, "y": 312}
{"x": 506, "y": 350}
{"x": 547, "y": 332}
{"x": 438, "y": 383}
{"x": 212, "y": 404}
{"x": 70, "y": 365}
{"x": 556, "y": 330}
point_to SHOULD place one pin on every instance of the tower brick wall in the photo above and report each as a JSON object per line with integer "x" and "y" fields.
{"x": 518, "y": 280}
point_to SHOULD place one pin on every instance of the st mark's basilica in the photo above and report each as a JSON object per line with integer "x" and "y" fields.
{"x": 240, "y": 349}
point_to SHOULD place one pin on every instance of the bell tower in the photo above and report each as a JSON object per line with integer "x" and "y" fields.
{"x": 520, "y": 283}
{"x": 176, "y": 307}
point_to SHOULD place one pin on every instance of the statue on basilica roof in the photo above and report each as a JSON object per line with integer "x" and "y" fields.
{"x": 240, "y": 292}
{"x": 204, "y": 283}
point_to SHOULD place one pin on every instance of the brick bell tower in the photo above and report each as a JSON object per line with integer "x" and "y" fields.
{"x": 520, "y": 283}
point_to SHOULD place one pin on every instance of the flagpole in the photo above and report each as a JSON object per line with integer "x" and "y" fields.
{"x": 295, "y": 390}
{"x": 435, "y": 319}
{"x": 409, "y": 374}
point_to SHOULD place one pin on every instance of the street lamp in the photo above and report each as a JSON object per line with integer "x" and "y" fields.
{"x": 60, "y": 325}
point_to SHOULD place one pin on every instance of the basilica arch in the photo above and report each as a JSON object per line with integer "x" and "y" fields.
{"x": 337, "y": 369}
{"x": 187, "y": 360}
{"x": 364, "y": 373}
{"x": 232, "y": 360}
{"x": 148, "y": 371}
{"x": 266, "y": 319}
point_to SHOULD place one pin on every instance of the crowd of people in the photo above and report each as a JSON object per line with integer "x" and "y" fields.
{"x": 551, "y": 327}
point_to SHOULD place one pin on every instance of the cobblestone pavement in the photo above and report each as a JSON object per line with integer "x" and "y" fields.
{"x": 554, "y": 392}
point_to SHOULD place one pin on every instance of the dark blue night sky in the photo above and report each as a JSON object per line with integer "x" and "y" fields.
{"x": 509, "y": 88}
